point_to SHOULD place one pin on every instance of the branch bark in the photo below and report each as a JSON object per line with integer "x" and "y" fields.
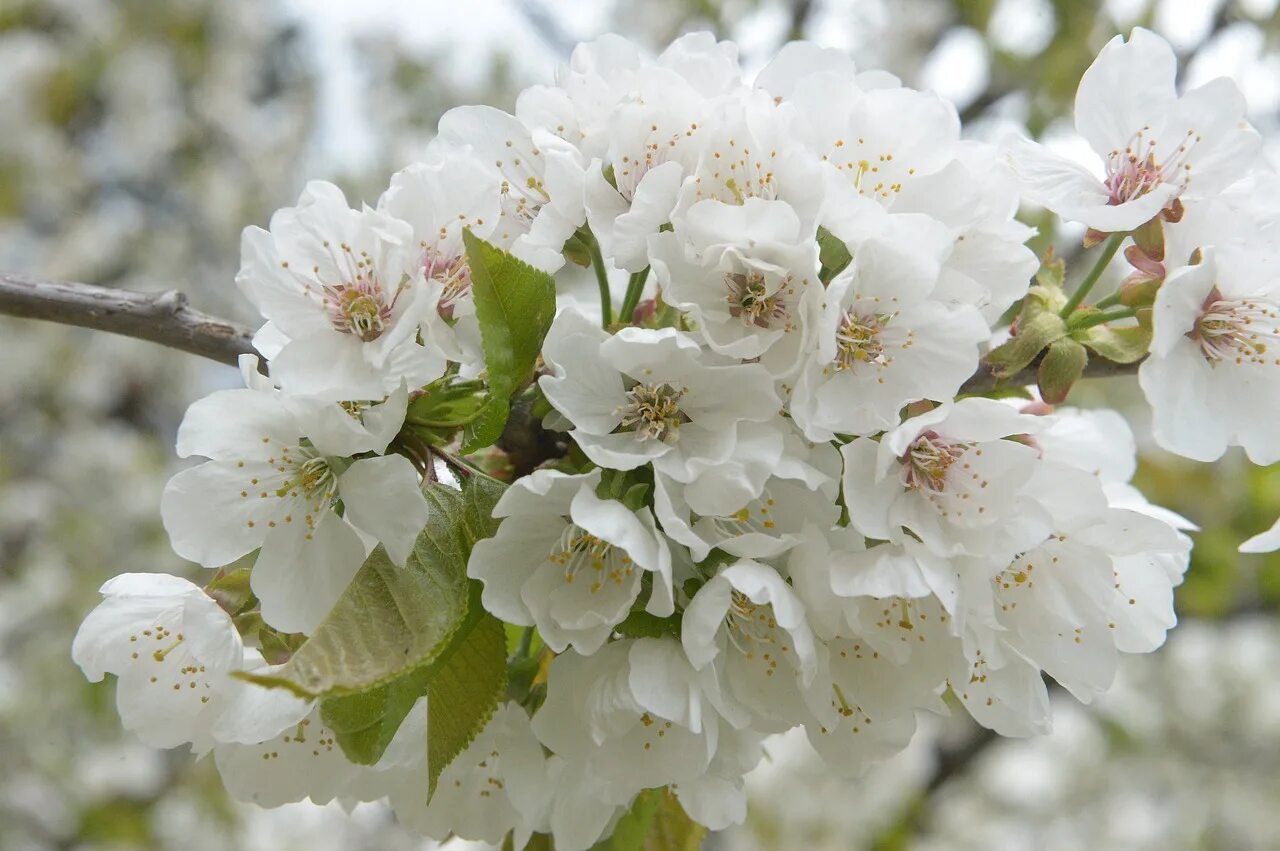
{"x": 983, "y": 381}
{"x": 163, "y": 318}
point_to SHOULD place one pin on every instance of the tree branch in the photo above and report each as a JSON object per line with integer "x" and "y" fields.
{"x": 162, "y": 318}
{"x": 166, "y": 319}
{"x": 983, "y": 381}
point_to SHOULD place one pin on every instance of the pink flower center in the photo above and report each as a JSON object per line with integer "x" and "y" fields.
{"x": 358, "y": 307}
{"x": 1138, "y": 169}
{"x": 928, "y": 460}
{"x": 451, "y": 271}
{"x": 1237, "y": 330}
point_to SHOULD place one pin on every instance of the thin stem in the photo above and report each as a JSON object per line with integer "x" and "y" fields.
{"x": 1108, "y": 251}
{"x": 602, "y": 279}
{"x": 463, "y": 468}
{"x": 1109, "y": 301}
{"x": 635, "y": 286}
{"x": 1104, "y": 316}
{"x": 526, "y": 641}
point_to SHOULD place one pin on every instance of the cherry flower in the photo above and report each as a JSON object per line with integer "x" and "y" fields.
{"x": 632, "y": 716}
{"x": 172, "y": 649}
{"x": 749, "y": 152}
{"x": 570, "y": 562}
{"x": 497, "y": 784}
{"x": 748, "y": 626}
{"x": 540, "y": 193}
{"x": 1156, "y": 147}
{"x": 650, "y": 396}
{"x": 439, "y": 200}
{"x": 884, "y": 340}
{"x": 277, "y": 470}
{"x": 951, "y": 478}
{"x": 747, "y": 275}
{"x": 1213, "y": 376}
{"x": 655, "y": 139}
{"x": 344, "y": 299}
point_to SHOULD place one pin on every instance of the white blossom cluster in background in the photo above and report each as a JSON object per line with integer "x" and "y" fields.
{"x": 781, "y": 505}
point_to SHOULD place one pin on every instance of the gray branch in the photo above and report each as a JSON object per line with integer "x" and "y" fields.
{"x": 166, "y": 319}
{"x": 983, "y": 381}
{"x": 162, "y": 318}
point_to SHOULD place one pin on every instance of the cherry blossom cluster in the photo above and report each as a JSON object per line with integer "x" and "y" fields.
{"x": 781, "y": 504}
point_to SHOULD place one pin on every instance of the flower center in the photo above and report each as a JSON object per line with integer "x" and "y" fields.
{"x": 858, "y": 339}
{"x": 358, "y": 308}
{"x": 750, "y": 301}
{"x": 755, "y": 517}
{"x": 1237, "y": 330}
{"x": 752, "y": 628}
{"x": 311, "y": 475}
{"x": 1137, "y": 170}
{"x": 453, "y": 273}
{"x": 653, "y": 412}
{"x": 579, "y": 551}
{"x": 927, "y": 461}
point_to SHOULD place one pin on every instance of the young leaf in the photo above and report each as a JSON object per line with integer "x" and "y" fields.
{"x": 515, "y": 304}
{"x": 464, "y": 688}
{"x": 393, "y": 619}
{"x": 364, "y": 723}
{"x": 833, "y": 254}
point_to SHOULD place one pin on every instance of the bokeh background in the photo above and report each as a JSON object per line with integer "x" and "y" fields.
{"x": 137, "y": 137}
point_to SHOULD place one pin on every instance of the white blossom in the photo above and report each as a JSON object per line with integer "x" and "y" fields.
{"x": 172, "y": 649}
{"x": 1156, "y": 146}
{"x": 650, "y": 396}
{"x": 1213, "y": 377}
{"x": 278, "y": 465}
{"x": 569, "y": 561}
{"x": 344, "y": 296}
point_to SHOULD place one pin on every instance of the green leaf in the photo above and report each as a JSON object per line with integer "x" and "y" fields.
{"x": 1126, "y": 344}
{"x": 641, "y": 624}
{"x": 1061, "y": 368}
{"x": 488, "y": 425}
{"x": 833, "y": 254}
{"x": 364, "y": 723}
{"x": 445, "y": 403}
{"x": 465, "y": 688}
{"x": 393, "y": 619}
{"x": 633, "y": 828}
{"x": 672, "y": 829}
{"x": 515, "y": 304}
{"x": 1034, "y": 334}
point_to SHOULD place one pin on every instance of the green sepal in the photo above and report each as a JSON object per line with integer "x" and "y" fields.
{"x": 1060, "y": 369}
{"x": 1035, "y": 333}
{"x": 1052, "y": 272}
{"x": 1126, "y": 344}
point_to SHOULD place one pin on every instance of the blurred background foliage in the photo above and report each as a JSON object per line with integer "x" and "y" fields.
{"x": 137, "y": 137}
